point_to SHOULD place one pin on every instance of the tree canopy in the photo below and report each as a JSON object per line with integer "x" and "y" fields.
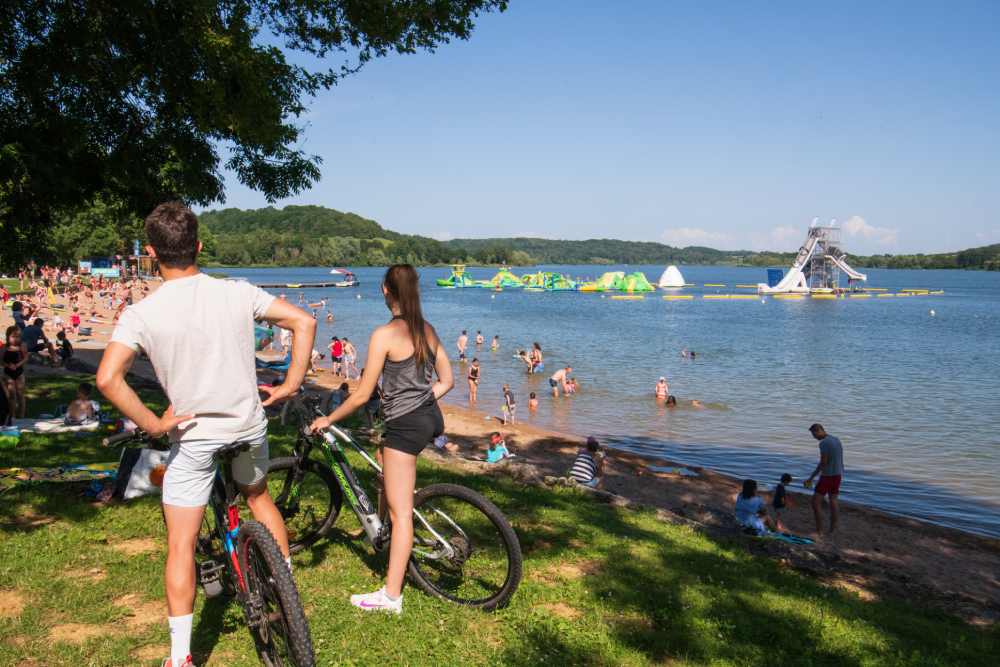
{"x": 139, "y": 101}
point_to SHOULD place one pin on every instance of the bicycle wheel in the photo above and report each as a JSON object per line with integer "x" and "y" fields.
{"x": 484, "y": 567}
{"x": 274, "y": 611}
{"x": 311, "y": 510}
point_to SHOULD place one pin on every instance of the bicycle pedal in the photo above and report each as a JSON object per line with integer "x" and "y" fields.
{"x": 210, "y": 577}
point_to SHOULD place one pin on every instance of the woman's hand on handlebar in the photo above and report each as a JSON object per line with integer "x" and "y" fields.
{"x": 319, "y": 424}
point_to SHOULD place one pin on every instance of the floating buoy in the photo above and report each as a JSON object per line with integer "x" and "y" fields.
{"x": 932, "y": 313}
{"x": 493, "y": 296}
{"x": 359, "y": 296}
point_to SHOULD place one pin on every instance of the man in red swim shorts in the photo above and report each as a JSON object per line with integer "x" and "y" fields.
{"x": 830, "y": 471}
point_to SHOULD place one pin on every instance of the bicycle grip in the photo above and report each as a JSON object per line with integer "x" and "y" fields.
{"x": 112, "y": 440}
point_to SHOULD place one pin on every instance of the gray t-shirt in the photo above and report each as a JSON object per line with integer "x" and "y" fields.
{"x": 834, "y": 456}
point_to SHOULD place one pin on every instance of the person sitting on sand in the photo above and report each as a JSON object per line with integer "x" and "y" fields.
{"x": 36, "y": 342}
{"x": 497, "y": 450}
{"x": 532, "y": 402}
{"x": 336, "y": 397}
{"x": 780, "y": 500}
{"x": 588, "y": 467}
{"x": 65, "y": 348}
{"x": 83, "y": 409}
{"x": 662, "y": 389}
{"x": 751, "y": 513}
{"x": 559, "y": 378}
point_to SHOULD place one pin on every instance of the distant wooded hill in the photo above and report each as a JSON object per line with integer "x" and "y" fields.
{"x": 319, "y": 236}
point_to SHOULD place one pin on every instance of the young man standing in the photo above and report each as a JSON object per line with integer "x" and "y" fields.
{"x": 830, "y": 470}
{"x": 198, "y": 332}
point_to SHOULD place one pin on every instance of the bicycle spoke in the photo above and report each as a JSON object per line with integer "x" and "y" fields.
{"x": 472, "y": 565}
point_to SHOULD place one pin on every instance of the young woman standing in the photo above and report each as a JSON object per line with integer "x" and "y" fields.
{"x": 407, "y": 353}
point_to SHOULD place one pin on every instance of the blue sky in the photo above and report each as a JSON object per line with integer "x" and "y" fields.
{"x": 724, "y": 124}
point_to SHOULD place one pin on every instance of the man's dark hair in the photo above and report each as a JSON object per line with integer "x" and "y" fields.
{"x": 816, "y": 428}
{"x": 39, "y": 322}
{"x": 786, "y": 478}
{"x": 592, "y": 444}
{"x": 749, "y": 488}
{"x": 172, "y": 230}
{"x": 85, "y": 388}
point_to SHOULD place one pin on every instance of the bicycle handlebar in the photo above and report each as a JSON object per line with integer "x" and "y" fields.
{"x": 118, "y": 438}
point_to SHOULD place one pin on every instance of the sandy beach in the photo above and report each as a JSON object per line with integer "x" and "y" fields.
{"x": 874, "y": 553}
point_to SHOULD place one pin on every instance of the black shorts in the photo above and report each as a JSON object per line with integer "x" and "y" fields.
{"x": 553, "y": 383}
{"x": 414, "y": 430}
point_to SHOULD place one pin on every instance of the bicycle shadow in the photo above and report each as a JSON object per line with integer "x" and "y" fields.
{"x": 212, "y": 624}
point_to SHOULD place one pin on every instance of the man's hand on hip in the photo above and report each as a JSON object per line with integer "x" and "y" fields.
{"x": 167, "y": 423}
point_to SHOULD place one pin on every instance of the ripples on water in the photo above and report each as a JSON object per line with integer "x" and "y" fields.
{"x": 914, "y": 398}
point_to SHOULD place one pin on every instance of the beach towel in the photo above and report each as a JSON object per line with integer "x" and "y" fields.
{"x": 785, "y": 537}
{"x": 11, "y": 477}
{"x": 53, "y": 425}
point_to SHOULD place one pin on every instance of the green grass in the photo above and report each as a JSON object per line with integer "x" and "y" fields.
{"x": 603, "y": 586}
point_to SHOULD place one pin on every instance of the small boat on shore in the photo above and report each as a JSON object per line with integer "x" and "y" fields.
{"x": 347, "y": 278}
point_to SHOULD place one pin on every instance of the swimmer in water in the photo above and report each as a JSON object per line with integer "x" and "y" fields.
{"x": 671, "y": 401}
{"x": 461, "y": 343}
{"x": 662, "y": 389}
{"x": 537, "y": 362}
{"x": 532, "y": 402}
{"x": 495, "y": 345}
{"x": 479, "y": 339}
{"x": 473, "y": 377}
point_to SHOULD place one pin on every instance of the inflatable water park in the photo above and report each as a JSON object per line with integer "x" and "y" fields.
{"x": 816, "y": 273}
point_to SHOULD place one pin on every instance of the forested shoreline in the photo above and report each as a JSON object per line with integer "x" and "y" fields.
{"x": 320, "y": 236}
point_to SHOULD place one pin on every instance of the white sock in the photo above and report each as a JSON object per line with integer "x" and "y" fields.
{"x": 180, "y": 638}
{"x": 288, "y": 560}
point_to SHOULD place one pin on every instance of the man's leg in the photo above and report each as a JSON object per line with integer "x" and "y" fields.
{"x": 183, "y": 524}
{"x": 834, "y": 512}
{"x": 264, "y": 510}
{"x": 817, "y": 503}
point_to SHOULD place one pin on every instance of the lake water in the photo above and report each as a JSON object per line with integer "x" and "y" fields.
{"x": 915, "y": 398}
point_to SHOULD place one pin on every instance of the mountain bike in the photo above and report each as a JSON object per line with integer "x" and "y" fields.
{"x": 464, "y": 549}
{"x": 242, "y": 559}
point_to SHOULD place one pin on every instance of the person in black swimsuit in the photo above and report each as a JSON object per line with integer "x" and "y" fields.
{"x": 473, "y": 378}
{"x": 407, "y": 354}
{"x": 15, "y": 355}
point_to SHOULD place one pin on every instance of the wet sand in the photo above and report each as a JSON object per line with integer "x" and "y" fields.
{"x": 873, "y": 554}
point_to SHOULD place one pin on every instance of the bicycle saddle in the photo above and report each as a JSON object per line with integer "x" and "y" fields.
{"x": 230, "y": 451}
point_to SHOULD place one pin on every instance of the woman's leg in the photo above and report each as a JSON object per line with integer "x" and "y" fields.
{"x": 400, "y": 480}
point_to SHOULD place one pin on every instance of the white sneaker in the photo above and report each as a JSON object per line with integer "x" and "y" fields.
{"x": 378, "y": 601}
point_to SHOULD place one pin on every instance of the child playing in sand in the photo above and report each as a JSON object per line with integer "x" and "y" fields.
{"x": 497, "y": 450}
{"x": 65, "y": 349}
{"x": 780, "y": 500}
{"x": 532, "y": 402}
{"x": 509, "y": 405}
{"x": 751, "y": 513}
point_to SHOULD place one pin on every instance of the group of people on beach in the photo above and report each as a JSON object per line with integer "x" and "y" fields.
{"x": 751, "y": 510}
{"x": 66, "y": 296}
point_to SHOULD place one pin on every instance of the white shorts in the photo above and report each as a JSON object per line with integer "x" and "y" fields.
{"x": 191, "y": 470}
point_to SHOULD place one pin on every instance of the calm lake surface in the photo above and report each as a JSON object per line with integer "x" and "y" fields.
{"x": 915, "y": 398}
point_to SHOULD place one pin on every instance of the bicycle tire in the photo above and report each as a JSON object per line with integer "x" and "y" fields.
{"x": 302, "y": 539}
{"x": 277, "y": 583}
{"x": 511, "y": 544}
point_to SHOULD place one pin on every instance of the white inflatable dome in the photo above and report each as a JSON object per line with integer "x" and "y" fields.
{"x": 671, "y": 278}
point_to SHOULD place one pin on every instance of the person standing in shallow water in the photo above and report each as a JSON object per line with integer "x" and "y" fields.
{"x": 830, "y": 470}
{"x": 407, "y": 353}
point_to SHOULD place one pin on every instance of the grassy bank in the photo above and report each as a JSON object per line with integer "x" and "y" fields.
{"x": 82, "y": 584}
